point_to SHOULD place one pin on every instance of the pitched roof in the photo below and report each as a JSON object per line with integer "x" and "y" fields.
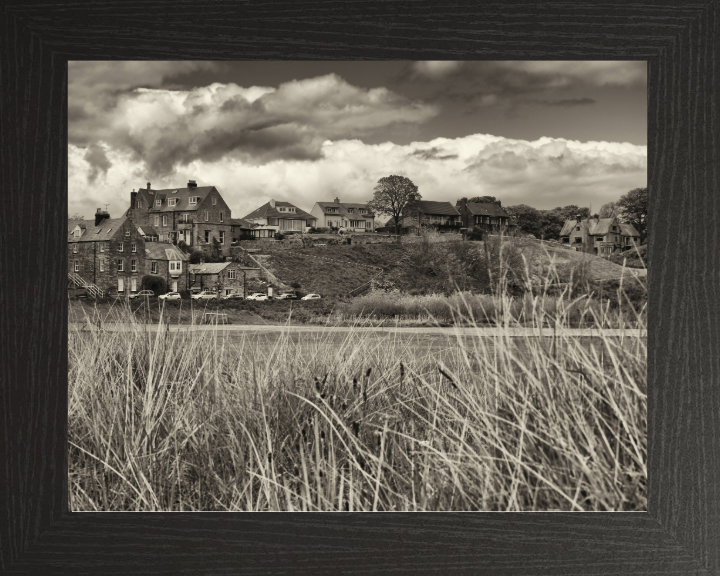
{"x": 105, "y": 230}
{"x": 182, "y": 195}
{"x": 628, "y": 230}
{"x": 595, "y": 226}
{"x": 266, "y": 211}
{"x": 434, "y": 208}
{"x": 242, "y": 223}
{"x": 208, "y": 268}
{"x": 343, "y": 206}
{"x": 72, "y": 223}
{"x": 164, "y": 251}
{"x": 147, "y": 230}
{"x": 486, "y": 209}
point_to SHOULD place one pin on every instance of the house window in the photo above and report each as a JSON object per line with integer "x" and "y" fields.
{"x": 133, "y": 247}
{"x": 221, "y": 216}
{"x": 207, "y": 215}
{"x": 120, "y": 265}
{"x": 281, "y": 209}
{"x": 222, "y": 237}
{"x": 102, "y": 265}
{"x": 175, "y": 266}
{"x": 291, "y": 209}
{"x": 133, "y": 285}
{"x": 102, "y": 247}
{"x": 127, "y": 233}
{"x": 231, "y": 274}
{"x": 157, "y": 220}
{"x": 77, "y": 266}
{"x": 153, "y": 268}
{"x": 351, "y": 210}
{"x": 368, "y": 224}
{"x": 137, "y": 203}
{"x": 186, "y": 218}
{"x": 121, "y": 285}
{"x": 120, "y": 247}
{"x": 207, "y": 235}
{"x": 133, "y": 265}
{"x": 74, "y": 248}
{"x": 193, "y": 199}
{"x": 578, "y": 228}
{"x": 172, "y": 201}
{"x": 214, "y": 201}
{"x": 164, "y": 220}
{"x": 158, "y": 202}
{"x": 578, "y": 240}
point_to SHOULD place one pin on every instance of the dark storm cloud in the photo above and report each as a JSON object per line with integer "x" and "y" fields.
{"x": 97, "y": 159}
{"x": 433, "y": 153}
{"x": 571, "y": 102}
{"x": 166, "y": 129}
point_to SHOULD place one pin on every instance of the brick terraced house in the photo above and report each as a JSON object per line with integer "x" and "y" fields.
{"x": 601, "y": 236}
{"x": 196, "y": 215}
{"x": 107, "y": 255}
{"x": 273, "y": 217}
{"x": 355, "y": 216}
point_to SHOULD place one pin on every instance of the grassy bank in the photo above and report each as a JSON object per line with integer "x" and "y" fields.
{"x": 195, "y": 421}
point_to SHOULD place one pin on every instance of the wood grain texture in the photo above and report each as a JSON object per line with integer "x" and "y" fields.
{"x": 681, "y": 532}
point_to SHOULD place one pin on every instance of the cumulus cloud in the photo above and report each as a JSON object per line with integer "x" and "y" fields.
{"x": 168, "y": 129}
{"x": 544, "y": 173}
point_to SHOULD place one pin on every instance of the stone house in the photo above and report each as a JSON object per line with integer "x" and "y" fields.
{"x": 601, "y": 236}
{"x": 241, "y": 229}
{"x": 107, "y": 254}
{"x": 488, "y": 216}
{"x": 196, "y": 215}
{"x": 168, "y": 262}
{"x": 355, "y": 216}
{"x": 273, "y": 217}
{"x": 225, "y": 277}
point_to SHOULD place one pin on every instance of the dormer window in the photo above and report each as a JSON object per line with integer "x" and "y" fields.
{"x": 281, "y": 209}
{"x": 174, "y": 191}
{"x": 351, "y": 210}
{"x": 194, "y": 199}
{"x": 291, "y": 209}
{"x": 172, "y": 201}
{"x": 158, "y": 202}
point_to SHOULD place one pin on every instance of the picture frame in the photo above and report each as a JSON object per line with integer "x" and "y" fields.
{"x": 680, "y": 531}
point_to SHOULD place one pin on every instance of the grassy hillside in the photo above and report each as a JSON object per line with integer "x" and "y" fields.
{"x": 425, "y": 268}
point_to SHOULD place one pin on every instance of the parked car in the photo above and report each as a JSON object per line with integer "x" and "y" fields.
{"x": 170, "y": 296}
{"x": 286, "y": 297}
{"x": 311, "y": 297}
{"x": 257, "y": 296}
{"x": 205, "y": 295}
{"x": 146, "y": 293}
{"x": 232, "y": 296}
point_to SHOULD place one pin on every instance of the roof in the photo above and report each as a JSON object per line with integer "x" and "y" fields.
{"x": 595, "y": 226}
{"x": 430, "y": 207}
{"x": 208, "y": 268}
{"x": 242, "y": 223}
{"x": 628, "y": 230}
{"x": 164, "y": 251}
{"x": 182, "y": 195}
{"x": 266, "y": 211}
{"x": 486, "y": 209}
{"x": 147, "y": 230}
{"x": 72, "y": 223}
{"x": 102, "y": 232}
{"x": 343, "y": 206}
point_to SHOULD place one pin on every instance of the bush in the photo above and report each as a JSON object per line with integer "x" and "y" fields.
{"x": 320, "y": 230}
{"x": 154, "y": 283}
{"x": 279, "y": 236}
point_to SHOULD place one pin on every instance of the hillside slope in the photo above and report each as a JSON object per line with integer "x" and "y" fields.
{"x": 415, "y": 268}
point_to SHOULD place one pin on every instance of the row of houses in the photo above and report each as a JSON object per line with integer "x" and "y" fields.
{"x": 487, "y": 216}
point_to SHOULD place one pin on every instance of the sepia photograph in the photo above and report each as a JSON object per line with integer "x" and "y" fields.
{"x": 357, "y": 286}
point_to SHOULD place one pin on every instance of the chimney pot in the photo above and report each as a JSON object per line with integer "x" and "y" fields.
{"x": 148, "y": 185}
{"x": 192, "y": 184}
{"x": 337, "y": 200}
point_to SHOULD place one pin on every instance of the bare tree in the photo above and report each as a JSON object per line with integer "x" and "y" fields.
{"x": 393, "y": 195}
{"x": 609, "y": 210}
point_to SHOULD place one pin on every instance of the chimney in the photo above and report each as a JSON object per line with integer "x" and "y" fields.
{"x": 498, "y": 203}
{"x": 337, "y": 200}
{"x": 272, "y": 203}
{"x": 192, "y": 184}
{"x": 148, "y": 185}
{"x": 100, "y": 215}
{"x": 578, "y": 217}
{"x": 133, "y": 199}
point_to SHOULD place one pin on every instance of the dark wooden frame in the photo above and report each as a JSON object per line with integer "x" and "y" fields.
{"x": 681, "y": 532}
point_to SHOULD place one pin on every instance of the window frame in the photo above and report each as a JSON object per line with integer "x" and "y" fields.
{"x": 133, "y": 265}
{"x": 75, "y": 251}
{"x": 120, "y": 265}
{"x": 133, "y": 247}
{"x": 158, "y": 202}
{"x": 76, "y": 267}
{"x": 232, "y": 275}
{"x": 222, "y": 237}
{"x": 164, "y": 220}
{"x": 153, "y": 268}
{"x": 121, "y": 247}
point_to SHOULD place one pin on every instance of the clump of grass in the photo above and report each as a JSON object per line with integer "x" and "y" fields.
{"x": 199, "y": 420}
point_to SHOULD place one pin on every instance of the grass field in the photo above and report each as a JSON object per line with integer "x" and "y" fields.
{"x": 195, "y": 421}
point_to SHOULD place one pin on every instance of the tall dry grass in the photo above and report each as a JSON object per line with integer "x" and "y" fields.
{"x": 203, "y": 420}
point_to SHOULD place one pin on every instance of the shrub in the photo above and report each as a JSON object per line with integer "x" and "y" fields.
{"x": 155, "y": 283}
{"x": 279, "y": 236}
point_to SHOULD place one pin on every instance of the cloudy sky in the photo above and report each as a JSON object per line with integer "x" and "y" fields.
{"x": 545, "y": 134}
